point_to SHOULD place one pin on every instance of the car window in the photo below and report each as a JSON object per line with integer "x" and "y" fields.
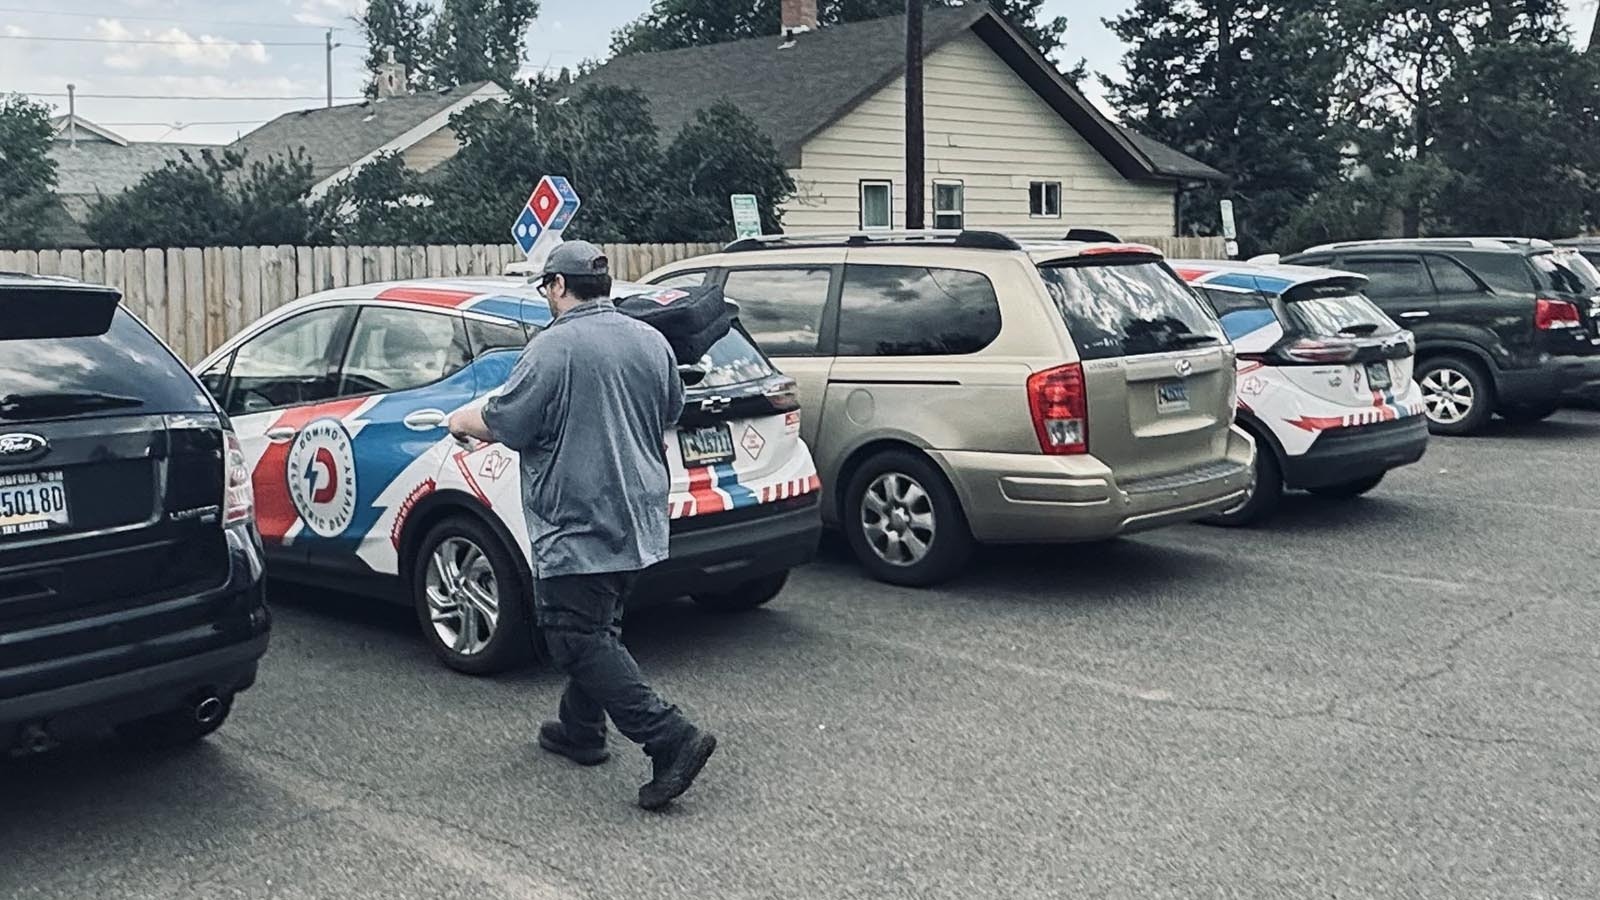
{"x": 915, "y": 311}
{"x": 1450, "y": 277}
{"x": 125, "y": 363}
{"x": 1330, "y": 315}
{"x": 682, "y": 279}
{"x": 1240, "y": 312}
{"x": 781, "y": 308}
{"x": 399, "y": 349}
{"x": 1564, "y": 271}
{"x": 733, "y": 360}
{"x": 1127, "y": 308}
{"x": 288, "y": 364}
{"x": 485, "y": 337}
{"x": 1504, "y": 272}
{"x": 1392, "y": 277}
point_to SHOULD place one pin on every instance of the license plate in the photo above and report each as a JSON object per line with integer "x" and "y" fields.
{"x": 1378, "y": 376}
{"x": 33, "y": 501}
{"x": 706, "y": 446}
{"x": 1172, "y": 396}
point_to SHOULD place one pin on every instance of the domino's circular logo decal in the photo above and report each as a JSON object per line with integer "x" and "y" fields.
{"x": 322, "y": 477}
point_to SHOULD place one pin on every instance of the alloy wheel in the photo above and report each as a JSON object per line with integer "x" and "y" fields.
{"x": 463, "y": 597}
{"x": 897, "y": 519}
{"x": 1448, "y": 395}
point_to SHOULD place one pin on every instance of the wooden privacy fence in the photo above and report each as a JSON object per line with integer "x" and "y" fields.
{"x": 196, "y": 298}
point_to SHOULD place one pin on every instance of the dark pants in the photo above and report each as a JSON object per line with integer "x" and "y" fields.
{"x": 581, "y": 619}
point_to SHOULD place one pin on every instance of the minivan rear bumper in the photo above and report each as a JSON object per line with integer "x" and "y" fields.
{"x": 1032, "y": 498}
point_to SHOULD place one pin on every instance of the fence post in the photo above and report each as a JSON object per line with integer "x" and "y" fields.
{"x": 250, "y": 283}
{"x": 304, "y": 269}
{"x": 233, "y": 320}
{"x": 288, "y": 281}
{"x": 94, "y": 266}
{"x": 72, "y": 264}
{"x": 194, "y": 304}
{"x": 155, "y": 291}
{"x": 215, "y": 327}
{"x": 354, "y": 275}
{"x": 49, "y": 262}
{"x": 386, "y": 259}
{"x": 320, "y": 278}
{"x": 114, "y": 270}
{"x": 338, "y": 270}
{"x": 133, "y": 282}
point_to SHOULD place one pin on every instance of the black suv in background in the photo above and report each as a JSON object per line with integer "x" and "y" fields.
{"x": 1503, "y": 325}
{"x": 130, "y": 568}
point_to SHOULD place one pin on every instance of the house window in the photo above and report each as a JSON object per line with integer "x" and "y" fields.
{"x": 948, "y": 205}
{"x": 1044, "y": 199}
{"x": 877, "y": 205}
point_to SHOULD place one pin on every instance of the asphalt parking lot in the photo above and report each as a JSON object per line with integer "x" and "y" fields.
{"x": 1392, "y": 697}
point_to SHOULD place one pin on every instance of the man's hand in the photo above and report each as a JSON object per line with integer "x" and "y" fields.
{"x": 467, "y": 425}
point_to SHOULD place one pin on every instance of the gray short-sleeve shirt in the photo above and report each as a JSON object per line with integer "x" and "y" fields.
{"x": 587, "y": 406}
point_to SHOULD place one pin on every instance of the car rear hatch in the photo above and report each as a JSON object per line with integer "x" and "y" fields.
{"x": 1340, "y": 347}
{"x": 1566, "y": 276}
{"x": 737, "y": 445}
{"x": 111, "y": 491}
{"x": 1158, "y": 372}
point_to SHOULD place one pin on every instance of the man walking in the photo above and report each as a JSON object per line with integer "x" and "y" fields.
{"x": 587, "y": 407}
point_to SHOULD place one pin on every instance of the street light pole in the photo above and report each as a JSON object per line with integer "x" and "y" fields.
{"x": 915, "y": 163}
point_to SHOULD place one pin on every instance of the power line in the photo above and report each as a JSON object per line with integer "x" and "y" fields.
{"x": 84, "y": 96}
{"x": 197, "y": 42}
{"x": 118, "y": 15}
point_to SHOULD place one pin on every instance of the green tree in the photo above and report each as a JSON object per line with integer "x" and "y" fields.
{"x": 671, "y": 24}
{"x": 1242, "y": 85}
{"x": 384, "y": 203}
{"x": 27, "y": 173}
{"x": 720, "y": 152}
{"x": 217, "y": 198}
{"x": 399, "y": 29}
{"x": 458, "y": 42}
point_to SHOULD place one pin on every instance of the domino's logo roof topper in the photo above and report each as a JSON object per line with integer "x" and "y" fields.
{"x": 322, "y": 477}
{"x": 547, "y": 213}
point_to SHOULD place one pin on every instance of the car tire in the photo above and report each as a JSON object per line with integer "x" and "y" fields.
{"x": 1348, "y": 490}
{"x": 1457, "y": 395}
{"x": 747, "y": 596}
{"x": 463, "y": 572}
{"x": 896, "y": 503}
{"x": 174, "y": 728}
{"x": 1527, "y": 415}
{"x": 1265, "y": 495}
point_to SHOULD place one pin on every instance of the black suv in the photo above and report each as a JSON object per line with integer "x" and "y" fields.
{"x": 130, "y": 568}
{"x": 1503, "y": 325}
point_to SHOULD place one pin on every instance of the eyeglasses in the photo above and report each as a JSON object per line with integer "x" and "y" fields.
{"x": 544, "y": 285}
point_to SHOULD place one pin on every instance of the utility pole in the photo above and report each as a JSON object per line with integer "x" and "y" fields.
{"x": 328, "y": 59}
{"x": 72, "y": 116}
{"x": 914, "y": 134}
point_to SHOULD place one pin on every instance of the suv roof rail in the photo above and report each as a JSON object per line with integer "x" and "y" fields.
{"x": 981, "y": 240}
{"x": 1091, "y": 236}
{"x": 1485, "y": 243}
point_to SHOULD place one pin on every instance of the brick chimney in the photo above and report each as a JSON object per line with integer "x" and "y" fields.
{"x": 390, "y": 78}
{"x": 799, "y": 16}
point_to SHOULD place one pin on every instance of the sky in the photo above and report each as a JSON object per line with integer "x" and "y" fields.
{"x": 151, "y": 69}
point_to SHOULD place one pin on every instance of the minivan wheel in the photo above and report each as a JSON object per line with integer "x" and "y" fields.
{"x": 1265, "y": 494}
{"x": 903, "y": 521}
{"x": 470, "y": 598}
{"x": 175, "y": 728}
{"x": 1457, "y": 395}
{"x": 741, "y": 597}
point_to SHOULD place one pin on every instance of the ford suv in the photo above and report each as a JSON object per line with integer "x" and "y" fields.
{"x": 130, "y": 567}
{"x": 962, "y": 387}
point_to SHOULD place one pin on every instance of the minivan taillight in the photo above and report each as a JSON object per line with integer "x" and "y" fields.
{"x": 240, "y": 497}
{"x": 1549, "y": 315}
{"x": 1060, "y": 409}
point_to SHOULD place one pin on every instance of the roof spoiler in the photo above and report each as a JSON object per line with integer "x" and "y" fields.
{"x": 1091, "y": 236}
{"x": 50, "y": 309}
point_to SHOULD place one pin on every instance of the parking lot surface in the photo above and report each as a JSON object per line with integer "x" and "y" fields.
{"x": 1389, "y": 697}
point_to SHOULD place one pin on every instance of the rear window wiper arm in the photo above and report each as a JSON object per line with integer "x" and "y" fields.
{"x": 1194, "y": 340}
{"x": 1361, "y": 329}
{"x": 16, "y": 406}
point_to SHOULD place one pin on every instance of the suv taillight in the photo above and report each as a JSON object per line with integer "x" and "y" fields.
{"x": 1552, "y": 314}
{"x": 1060, "y": 409}
{"x": 782, "y": 393}
{"x": 240, "y": 498}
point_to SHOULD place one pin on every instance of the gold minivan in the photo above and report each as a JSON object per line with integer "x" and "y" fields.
{"x": 961, "y": 387}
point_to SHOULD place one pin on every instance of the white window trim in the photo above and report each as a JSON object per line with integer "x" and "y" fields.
{"x": 937, "y": 212}
{"x": 861, "y": 203}
{"x": 1034, "y": 215}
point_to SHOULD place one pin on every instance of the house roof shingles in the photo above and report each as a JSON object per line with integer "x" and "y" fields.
{"x": 793, "y": 92}
{"x": 336, "y": 137}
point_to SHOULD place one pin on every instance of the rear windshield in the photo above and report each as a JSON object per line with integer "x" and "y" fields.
{"x": 733, "y": 360}
{"x": 1128, "y": 309}
{"x": 126, "y": 370}
{"x": 1336, "y": 314}
{"x": 1565, "y": 271}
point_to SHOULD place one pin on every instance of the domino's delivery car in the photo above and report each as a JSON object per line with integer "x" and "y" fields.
{"x": 339, "y": 400}
{"x": 1325, "y": 383}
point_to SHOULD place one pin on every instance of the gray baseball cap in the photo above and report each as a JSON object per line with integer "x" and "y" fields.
{"x": 577, "y": 258}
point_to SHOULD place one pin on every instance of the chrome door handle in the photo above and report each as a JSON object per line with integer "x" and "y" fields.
{"x": 424, "y": 419}
{"x": 279, "y": 435}
{"x": 1415, "y": 314}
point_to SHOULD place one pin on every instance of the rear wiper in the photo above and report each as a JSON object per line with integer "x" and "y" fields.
{"x": 1193, "y": 340}
{"x": 24, "y": 406}
{"x": 1360, "y": 330}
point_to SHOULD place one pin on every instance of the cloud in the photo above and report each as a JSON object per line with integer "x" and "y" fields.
{"x": 329, "y": 13}
{"x": 176, "y": 46}
{"x": 14, "y": 31}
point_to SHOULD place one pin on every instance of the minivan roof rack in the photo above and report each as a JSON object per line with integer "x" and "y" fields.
{"x": 1487, "y": 243}
{"x": 979, "y": 240}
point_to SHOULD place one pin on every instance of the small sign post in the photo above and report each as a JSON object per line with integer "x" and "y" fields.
{"x": 1230, "y": 230}
{"x": 548, "y": 212}
{"x": 746, "y": 215}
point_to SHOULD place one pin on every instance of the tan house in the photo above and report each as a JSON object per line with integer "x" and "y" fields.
{"x": 1010, "y": 144}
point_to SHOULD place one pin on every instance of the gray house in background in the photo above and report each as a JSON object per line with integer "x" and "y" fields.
{"x": 92, "y": 161}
